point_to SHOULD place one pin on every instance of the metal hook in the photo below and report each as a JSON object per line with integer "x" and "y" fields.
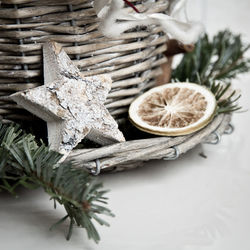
{"x": 176, "y": 155}
{"x": 216, "y": 140}
{"x": 229, "y": 130}
{"x": 97, "y": 169}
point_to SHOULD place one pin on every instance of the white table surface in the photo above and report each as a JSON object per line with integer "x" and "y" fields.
{"x": 188, "y": 204}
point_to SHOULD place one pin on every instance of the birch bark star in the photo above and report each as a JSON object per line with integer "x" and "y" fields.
{"x": 71, "y": 104}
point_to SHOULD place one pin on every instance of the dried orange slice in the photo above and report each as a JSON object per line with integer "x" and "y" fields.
{"x": 173, "y": 109}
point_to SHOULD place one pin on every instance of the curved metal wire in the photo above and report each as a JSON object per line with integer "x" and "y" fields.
{"x": 176, "y": 155}
{"x": 229, "y": 130}
{"x": 216, "y": 140}
{"x": 97, "y": 169}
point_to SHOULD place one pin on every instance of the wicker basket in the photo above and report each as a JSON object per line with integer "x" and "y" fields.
{"x": 133, "y": 153}
{"x": 133, "y": 61}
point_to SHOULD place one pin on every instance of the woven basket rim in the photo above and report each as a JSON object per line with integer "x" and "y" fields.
{"x": 131, "y": 154}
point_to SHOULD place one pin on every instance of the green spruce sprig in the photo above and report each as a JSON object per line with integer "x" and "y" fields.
{"x": 214, "y": 63}
{"x": 227, "y": 104}
{"x": 221, "y": 58}
{"x": 26, "y": 163}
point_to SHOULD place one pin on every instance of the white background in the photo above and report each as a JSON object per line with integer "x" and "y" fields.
{"x": 188, "y": 204}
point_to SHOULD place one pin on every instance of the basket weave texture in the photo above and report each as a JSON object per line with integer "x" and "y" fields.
{"x": 133, "y": 60}
{"x": 131, "y": 154}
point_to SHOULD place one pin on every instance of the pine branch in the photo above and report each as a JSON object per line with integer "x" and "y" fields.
{"x": 29, "y": 164}
{"x": 213, "y": 62}
{"x": 226, "y": 97}
{"x": 223, "y": 58}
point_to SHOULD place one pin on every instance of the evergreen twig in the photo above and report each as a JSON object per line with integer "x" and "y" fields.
{"x": 24, "y": 161}
{"x": 212, "y": 62}
{"x": 222, "y": 58}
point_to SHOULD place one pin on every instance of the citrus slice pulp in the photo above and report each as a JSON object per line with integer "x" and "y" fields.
{"x": 173, "y": 109}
